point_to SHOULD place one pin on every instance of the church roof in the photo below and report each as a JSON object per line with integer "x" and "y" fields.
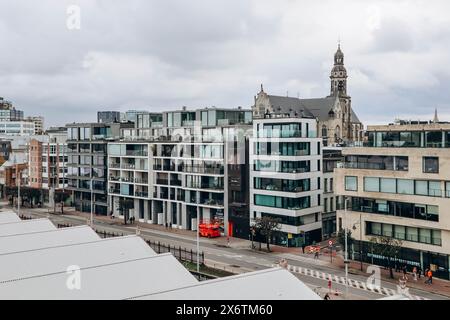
{"x": 354, "y": 118}
{"x": 317, "y": 107}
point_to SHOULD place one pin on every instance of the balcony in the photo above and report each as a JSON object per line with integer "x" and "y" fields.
{"x": 128, "y": 166}
{"x": 212, "y": 202}
{"x": 114, "y": 165}
{"x": 137, "y": 153}
{"x": 114, "y": 190}
{"x": 162, "y": 181}
{"x": 141, "y": 194}
{"x": 114, "y": 178}
{"x": 140, "y": 180}
{"x": 175, "y": 183}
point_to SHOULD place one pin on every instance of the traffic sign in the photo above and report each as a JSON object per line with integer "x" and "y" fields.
{"x": 330, "y": 243}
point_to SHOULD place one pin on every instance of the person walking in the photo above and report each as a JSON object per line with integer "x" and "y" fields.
{"x": 414, "y": 274}
{"x": 419, "y": 272}
{"x": 405, "y": 272}
{"x": 430, "y": 277}
{"x": 303, "y": 248}
{"x": 316, "y": 254}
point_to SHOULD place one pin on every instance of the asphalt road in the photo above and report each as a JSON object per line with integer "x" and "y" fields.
{"x": 238, "y": 259}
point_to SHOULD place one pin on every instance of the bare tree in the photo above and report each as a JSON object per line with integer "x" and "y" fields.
{"x": 387, "y": 247}
{"x": 266, "y": 226}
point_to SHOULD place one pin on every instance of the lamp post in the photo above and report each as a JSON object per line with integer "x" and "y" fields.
{"x": 346, "y": 248}
{"x": 360, "y": 239}
{"x": 92, "y": 204}
{"x": 198, "y": 235}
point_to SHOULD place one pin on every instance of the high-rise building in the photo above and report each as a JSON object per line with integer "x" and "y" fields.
{"x": 286, "y": 177}
{"x": 398, "y": 186}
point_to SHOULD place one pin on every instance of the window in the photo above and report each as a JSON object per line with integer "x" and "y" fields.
{"x": 430, "y": 164}
{"x": 412, "y": 234}
{"x": 372, "y": 184}
{"x": 388, "y": 185}
{"x": 434, "y": 189}
{"x": 421, "y": 187}
{"x": 405, "y": 186}
{"x": 447, "y": 189}
{"x": 351, "y": 183}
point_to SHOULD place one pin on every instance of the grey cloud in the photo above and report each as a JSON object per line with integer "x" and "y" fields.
{"x": 162, "y": 55}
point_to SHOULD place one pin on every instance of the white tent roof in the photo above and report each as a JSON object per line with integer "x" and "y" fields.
{"x": 109, "y": 281}
{"x": 56, "y": 259}
{"x": 38, "y": 240}
{"x": 26, "y": 226}
{"x": 8, "y": 216}
{"x": 270, "y": 284}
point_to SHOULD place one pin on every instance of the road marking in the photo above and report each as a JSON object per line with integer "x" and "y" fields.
{"x": 342, "y": 280}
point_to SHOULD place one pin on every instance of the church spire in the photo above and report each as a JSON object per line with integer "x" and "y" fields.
{"x": 436, "y": 119}
{"x": 338, "y": 75}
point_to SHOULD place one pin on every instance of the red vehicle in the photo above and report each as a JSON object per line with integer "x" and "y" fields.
{"x": 209, "y": 230}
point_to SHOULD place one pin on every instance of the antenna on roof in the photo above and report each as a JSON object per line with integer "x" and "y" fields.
{"x": 287, "y": 93}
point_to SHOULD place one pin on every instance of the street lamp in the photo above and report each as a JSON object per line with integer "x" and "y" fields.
{"x": 92, "y": 203}
{"x": 360, "y": 239}
{"x": 346, "y": 248}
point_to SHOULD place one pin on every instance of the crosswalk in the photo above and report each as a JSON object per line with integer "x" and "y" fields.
{"x": 342, "y": 280}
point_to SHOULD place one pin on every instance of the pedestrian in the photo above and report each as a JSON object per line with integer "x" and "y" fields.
{"x": 415, "y": 273}
{"x": 430, "y": 277}
{"x": 327, "y": 297}
{"x": 228, "y": 241}
{"x": 405, "y": 272}
{"x": 427, "y": 280}
{"x": 419, "y": 271}
{"x": 303, "y": 248}
{"x": 316, "y": 254}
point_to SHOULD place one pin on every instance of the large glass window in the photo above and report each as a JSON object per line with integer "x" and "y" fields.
{"x": 388, "y": 185}
{"x": 351, "y": 183}
{"x": 405, "y": 186}
{"x": 282, "y": 202}
{"x": 421, "y": 187}
{"x": 433, "y": 139}
{"x": 434, "y": 189}
{"x": 430, "y": 164}
{"x": 371, "y": 184}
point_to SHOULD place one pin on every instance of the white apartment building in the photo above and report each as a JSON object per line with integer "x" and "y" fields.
{"x": 182, "y": 170}
{"x": 17, "y": 128}
{"x": 398, "y": 186}
{"x": 285, "y": 177}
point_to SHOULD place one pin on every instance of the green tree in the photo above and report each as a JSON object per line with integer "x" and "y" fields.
{"x": 266, "y": 226}
{"x": 387, "y": 247}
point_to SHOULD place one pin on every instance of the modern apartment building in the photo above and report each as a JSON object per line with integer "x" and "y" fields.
{"x": 182, "y": 165}
{"x": 47, "y": 162}
{"x": 286, "y": 176}
{"x": 17, "y": 128}
{"x": 331, "y": 156}
{"x": 398, "y": 186}
{"x": 87, "y": 163}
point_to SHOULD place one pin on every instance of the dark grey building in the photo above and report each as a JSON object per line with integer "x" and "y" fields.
{"x": 87, "y": 163}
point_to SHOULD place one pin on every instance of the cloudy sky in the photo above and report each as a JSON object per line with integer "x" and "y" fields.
{"x": 160, "y": 55}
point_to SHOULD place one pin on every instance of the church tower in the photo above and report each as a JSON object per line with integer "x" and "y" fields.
{"x": 338, "y": 75}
